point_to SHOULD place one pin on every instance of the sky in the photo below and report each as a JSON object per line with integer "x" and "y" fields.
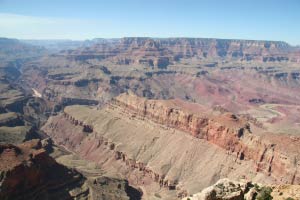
{"x": 88, "y": 19}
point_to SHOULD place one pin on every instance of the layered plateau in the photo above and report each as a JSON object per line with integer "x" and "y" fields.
{"x": 181, "y": 146}
{"x": 149, "y": 118}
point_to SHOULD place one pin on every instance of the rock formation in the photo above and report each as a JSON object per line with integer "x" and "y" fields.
{"x": 229, "y": 132}
{"x": 135, "y": 131}
{"x": 27, "y": 172}
{"x": 226, "y": 189}
{"x": 158, "y": 52}
{"x": 212, "y": 109}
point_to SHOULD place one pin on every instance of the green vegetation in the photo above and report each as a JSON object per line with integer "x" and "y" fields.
{"x": 264, "y": 193}
{"x": 256, "y": 186}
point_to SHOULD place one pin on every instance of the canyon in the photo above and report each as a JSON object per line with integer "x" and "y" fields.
{"x": 149, "y": 118}
{"x": 28, "y": 172}
{"x": 152, "y": 123}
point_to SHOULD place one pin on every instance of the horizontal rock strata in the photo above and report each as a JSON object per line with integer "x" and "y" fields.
{"x": 168, "y": 154}
{"x": 227, "y": 131}
{"x": 27, "y": 172}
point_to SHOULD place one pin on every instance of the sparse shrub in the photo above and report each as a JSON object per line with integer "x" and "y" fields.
{"x": 264, "y": 193}
{"x": 221, "y": 186}
{"x": 289, "y": 198}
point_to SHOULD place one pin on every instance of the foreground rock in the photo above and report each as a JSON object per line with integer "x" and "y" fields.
{"x": 226, "y": 189}
{"x": 27, "y": 172}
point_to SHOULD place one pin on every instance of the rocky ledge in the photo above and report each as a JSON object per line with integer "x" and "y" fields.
{"x": 159, "y": 139}
{"x": 226, "y": 189}
{"x": 228, "y": 131}
{"x": 27, "y": 172}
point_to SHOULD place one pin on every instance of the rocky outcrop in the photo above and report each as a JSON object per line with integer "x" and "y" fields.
{"x": 85, "y": 127}
{"x": 226, "y": 189}
{"x": 229, "y": 132}
{"x": 27, "y": 172}
{"x": 167, "y": 140}
{"x": 113, "y": 189}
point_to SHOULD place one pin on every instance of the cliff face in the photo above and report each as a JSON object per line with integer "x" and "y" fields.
{"x": 229, "y": 132}
{"x": 171, "y": 142}
{"x": 153, "y": 51}
{"x": 27, "y": 172}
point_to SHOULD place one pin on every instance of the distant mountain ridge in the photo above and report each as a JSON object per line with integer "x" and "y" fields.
{"x": 163, "y": 51}
{"x": 13, "y": 48}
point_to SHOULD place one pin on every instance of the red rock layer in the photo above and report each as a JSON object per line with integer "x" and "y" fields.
{"x": 227, "y": 131}
{"x": 70, "y": 134}
{"x": 27, "y": 172}
{"x": 161, "y": 52}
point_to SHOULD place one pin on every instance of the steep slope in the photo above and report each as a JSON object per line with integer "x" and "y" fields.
{"x": 227, "y": 131}
{"x": 21, "y": 114}
{"x": 28, "y": 172}
{"x": 182, "y": 146}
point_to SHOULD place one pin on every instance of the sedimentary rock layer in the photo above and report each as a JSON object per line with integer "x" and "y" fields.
{"x": 177, "y": 155}
{"x": 227, "y": 131}
{"x": 162, "y": 52}
{"x": 27, "y": 172}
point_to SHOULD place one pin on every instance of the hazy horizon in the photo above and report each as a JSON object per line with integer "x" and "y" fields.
{"x": 180, "y": 37}
{"x": 81, "y": 20}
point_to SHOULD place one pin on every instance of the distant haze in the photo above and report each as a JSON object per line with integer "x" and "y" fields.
{"x": 88, "y": 19}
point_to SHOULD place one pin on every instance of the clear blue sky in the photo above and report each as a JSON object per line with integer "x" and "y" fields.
{"x": 87, "y": 19}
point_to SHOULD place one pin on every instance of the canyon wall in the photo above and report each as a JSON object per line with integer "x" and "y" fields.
{"x": 161, "y": 52}
{"x": 27, "y": 172}
{"x": 179, "y": 145}
{"x": 228, "y": 131}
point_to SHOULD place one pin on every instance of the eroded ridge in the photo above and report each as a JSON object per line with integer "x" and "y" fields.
{"x": 173, "y": 143}
{"x": 127, "y": 160}
{"x": 28, "y": 172}
{"x": 227, "y": 131}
